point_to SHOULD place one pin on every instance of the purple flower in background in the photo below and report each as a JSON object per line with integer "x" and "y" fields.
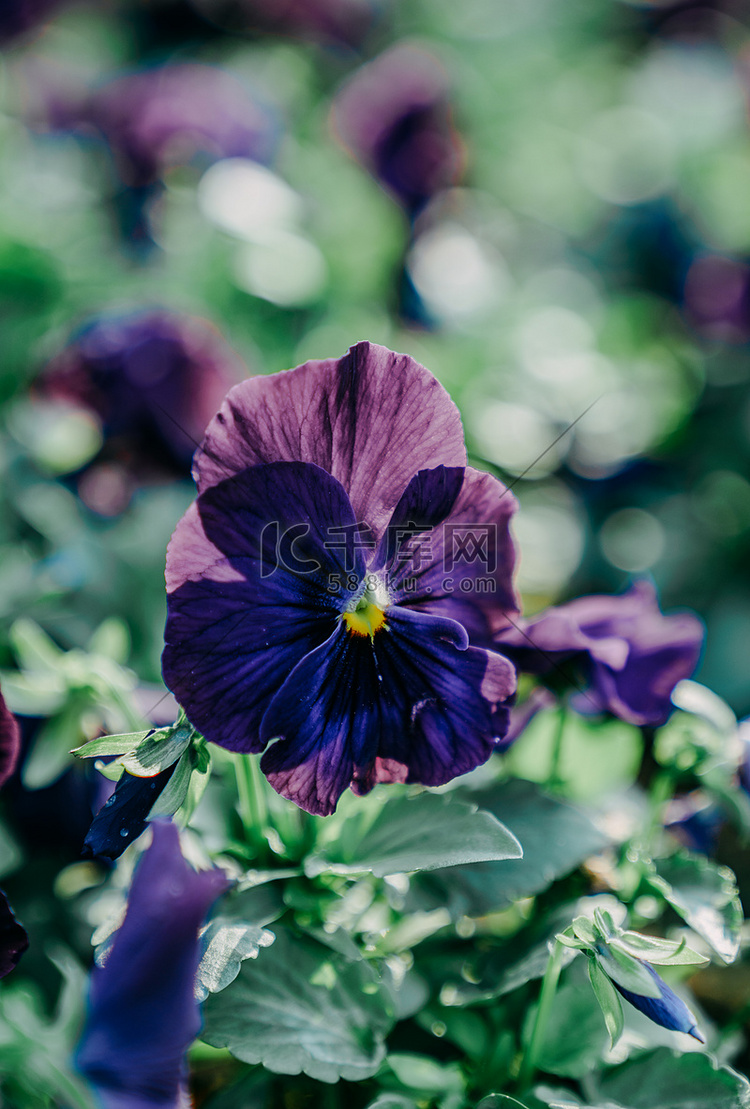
{"x": 633, "y": 655}
{"x": 153, "y": 379}
{"x": 394, "y": 115}
{"x": 173, "y": 114}
{"x": 142, "y": 1014}
{"x": 13, "y": 938}
{"x": 336, "y": 584}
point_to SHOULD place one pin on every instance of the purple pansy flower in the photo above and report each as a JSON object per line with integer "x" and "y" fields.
{"x": 13, "y": 938}
{"x": 320, "y": 590}
{"x": 153, "y": 379}
{"x": 142, "y": 1014}
{"x": 633, "y": 655}
{"x": 394, "y": 115}
{"x": 169, "y": 115}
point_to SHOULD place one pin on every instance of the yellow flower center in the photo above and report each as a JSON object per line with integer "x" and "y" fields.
{"x": 366, "y": 619}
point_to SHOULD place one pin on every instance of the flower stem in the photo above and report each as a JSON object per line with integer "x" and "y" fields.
{"x": 253, "y": 808}
{"x": 544, "y": 1008}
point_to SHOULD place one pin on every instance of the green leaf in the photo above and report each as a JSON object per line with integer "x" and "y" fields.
{"x": 33, "y": 648}
{"x": 159, "y": 749}
{"x": 659, "y": 952}
{"x": 609, "y": 1000}
{"x": 392, "y": 1101}
{"x": 225, "y": 944}
{"x": 627, "y": 971}
{"x": 425, "y": 832}
{"x": 556, "y": 838}
{"x": 176, "y": 790}
{"x": 701, "y": 701}
{"x": 49, "y": 756}
{"x": 274, "y": 1015}
{"x": 111, "y": 745}
{"x": 705, "y": 895}
{"x": 33, "y": 694}
{"x": 424, "y": 1074}
{"x": 111, "y": 639}
{"x": 663, "y": 1079}
{"x": 501, "y": 1101}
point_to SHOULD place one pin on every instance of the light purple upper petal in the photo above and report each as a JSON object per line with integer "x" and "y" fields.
{"x": 372, "y": 419}
{"x": 636, "y": 655}
{"x": 143, "y": 1015}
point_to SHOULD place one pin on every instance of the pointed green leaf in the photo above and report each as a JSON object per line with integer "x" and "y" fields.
{"x": 111, "y": 639}
{"x": 33, "y": 694}
{"x": 419, "y": 1072}
{"x": 156, "y": 752}
{"x": 33, "y": 648}
{"x": 609, "y": 1001}
{"x": 273, "y": 1013}
{"x": 110, "y": 745}
{"x": 626, "y": 971}
{"x": 49, "y": 756}
{"x": 176, "y": 790}
{"x": 425, "y": 832}
{"x": 659, "y": 952}
{"x": 584, "y": 930}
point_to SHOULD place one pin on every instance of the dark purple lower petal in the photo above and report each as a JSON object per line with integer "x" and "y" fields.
{"x": 13, "y": 938}
{"x": 143, "y": 1015}
{"x": 413, "y": 703}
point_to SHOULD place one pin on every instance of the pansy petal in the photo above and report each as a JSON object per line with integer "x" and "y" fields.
{"x": 13, "y": 938}
{"x": 10, "y": 742}
{"x": 329, "y": 717}
{"x": 458, "y": 712}
{"x": 370, "y": 419}
{"x": 412, "y": 703}
{"x": 465, "y": 566}
{"x": 143, "y": 1015}
{"x": 263, "y": 565}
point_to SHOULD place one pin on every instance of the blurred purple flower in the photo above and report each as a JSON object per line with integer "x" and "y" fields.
{"x": 13, "y": 938}
{"x": 632, "y": 655}
{"x": 143, "y": 1015}
{"x": 295, "y": 611}
{"x": 695, "y": 820}
{"x": 394, "y": 115}
{"x": 153, "y": 379}
{"x": 171, "y": 115}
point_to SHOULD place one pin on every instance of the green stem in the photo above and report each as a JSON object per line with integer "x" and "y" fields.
{"x": 554, "y": 781}
{"x": 544, "y": 1008}
{"x": 253, "y": 807}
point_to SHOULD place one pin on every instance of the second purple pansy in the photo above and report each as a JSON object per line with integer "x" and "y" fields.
{"x": 632, "y": 653}
{"x": 333, "y": 591}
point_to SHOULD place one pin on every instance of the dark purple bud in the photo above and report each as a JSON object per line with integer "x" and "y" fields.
{"x": 142, "y": 1014}
{"x": 13, "y": 938}
{"x": 10, "y": 742}
{"x": 394, "y": 115}
{"x": 668, "y": 1009}
{"x": 124, "y": 814}
{"x": 631, "y": 654}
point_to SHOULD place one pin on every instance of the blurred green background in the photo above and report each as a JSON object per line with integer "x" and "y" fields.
{"x": 547, "y": 204}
